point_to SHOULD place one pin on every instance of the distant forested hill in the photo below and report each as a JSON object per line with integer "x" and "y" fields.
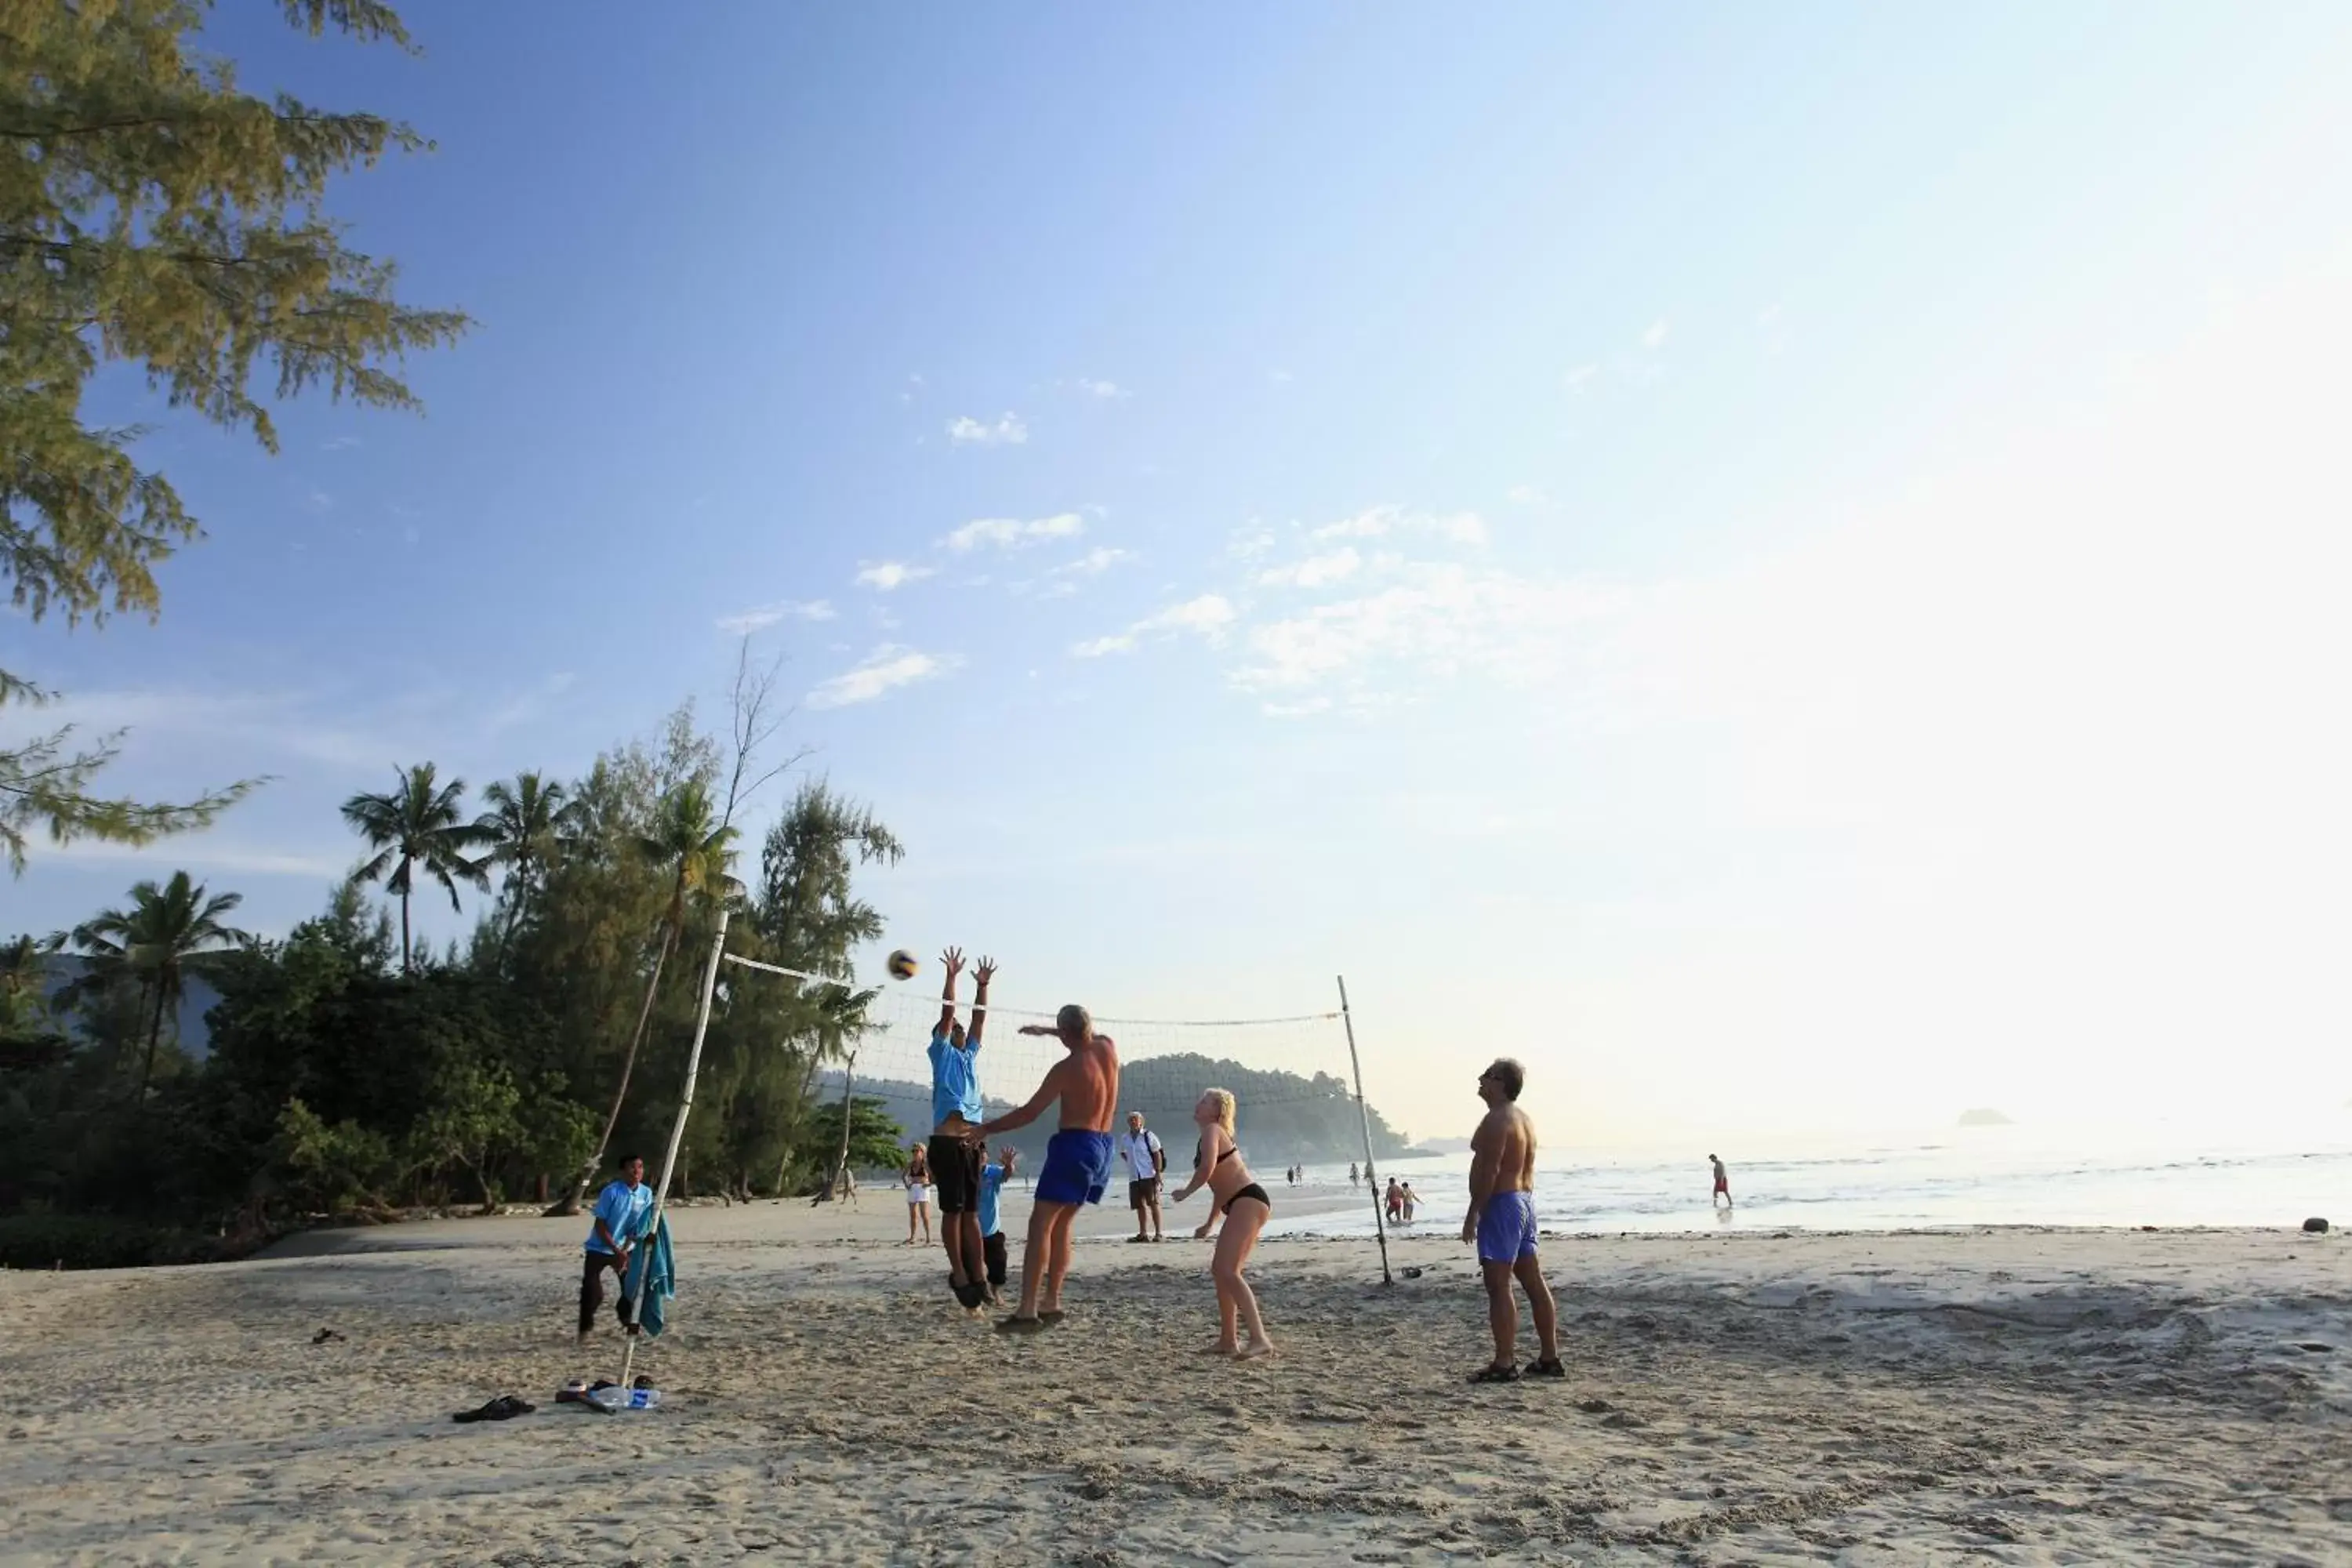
{"x": 1283, "y": 1119}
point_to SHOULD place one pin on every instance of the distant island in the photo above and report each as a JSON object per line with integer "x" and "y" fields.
{"x": 1984, "y": 1117}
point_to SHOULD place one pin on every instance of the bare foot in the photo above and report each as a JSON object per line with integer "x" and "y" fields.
{"x": 1220, "y": 1348}
{"x": 1257, "y": 1350}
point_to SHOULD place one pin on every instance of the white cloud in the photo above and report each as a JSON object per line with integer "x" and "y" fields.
{"x": 1008, "y": 431}
{"x": 768, "y": 614}
{"x": 1524, "y": 495}
{"x": 1012, "y": 534}
{"x": 1250, "y": 541}
{"x": 1655, "y": 338}
{"x": 1093, "y": 563}
{"x": 1209, "y": 615}
{"x": 1295, "y": 710}
{"x": 1580, "y": 378}
{"x": 1333, "y": 566}
{"x": 884, "y": 670}
{"x": 1377, "y": 522}
{"x": 1109, "y": 391}
{"x": 339, "y": 444}
{"x": 885, "y": 575}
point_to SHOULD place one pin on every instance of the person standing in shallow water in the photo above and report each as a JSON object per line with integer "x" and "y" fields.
{"x": 1722, "y": 1198}
{"x": 1502, "y": 1222}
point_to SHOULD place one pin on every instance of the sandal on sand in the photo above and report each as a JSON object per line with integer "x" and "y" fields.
{"x": 1547, "y": 1368}
{"x": 1019, "y": 1325}
{"x": 1495, "y": 1374}
{"x": 505, "y": 1408}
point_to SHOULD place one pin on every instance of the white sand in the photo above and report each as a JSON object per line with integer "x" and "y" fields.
{"x": 2007, "y": 1396}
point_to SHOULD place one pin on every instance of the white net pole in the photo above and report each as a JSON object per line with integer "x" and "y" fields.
{"x": 1379, "y": 1226}
{"x": 676, "y": 1138}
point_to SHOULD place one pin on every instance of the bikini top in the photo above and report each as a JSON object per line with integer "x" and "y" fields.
{"x": 1222, "y": 1158}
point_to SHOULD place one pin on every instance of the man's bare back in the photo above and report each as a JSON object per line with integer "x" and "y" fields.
{"x": 1507, "y": 1138}
{"x": 1088, "y": 1083}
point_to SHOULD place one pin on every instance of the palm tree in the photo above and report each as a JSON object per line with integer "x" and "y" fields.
{"x": 416, "y": 824}
{"x": 163, "y": 935}
{"x": 528, "y": 823}
{"x": 689, "y": 842}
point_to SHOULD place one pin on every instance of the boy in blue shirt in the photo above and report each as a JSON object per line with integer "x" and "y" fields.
{"x": 622, "y": 1211}
{"x": 955, "y": 1108}
{"x": 992, "y": 1233}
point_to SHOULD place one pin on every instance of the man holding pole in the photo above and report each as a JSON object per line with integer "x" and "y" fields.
{"x": 620, "y": 1218}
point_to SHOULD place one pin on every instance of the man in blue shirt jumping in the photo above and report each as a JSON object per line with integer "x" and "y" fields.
{"x": 955, "y": 1110}
{"x": 622, "y": 1210}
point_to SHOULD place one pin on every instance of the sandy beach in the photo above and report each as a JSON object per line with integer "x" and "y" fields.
{"x": 2018, "y": 1397}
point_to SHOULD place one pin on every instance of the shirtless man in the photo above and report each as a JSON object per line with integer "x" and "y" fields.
{"x": 1722, "y": 1182}
{"x": 1502, "y": 1221}
{"x": 1077, "y": 1159}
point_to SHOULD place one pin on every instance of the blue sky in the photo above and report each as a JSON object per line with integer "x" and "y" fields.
{"x": 1772, "y": 563}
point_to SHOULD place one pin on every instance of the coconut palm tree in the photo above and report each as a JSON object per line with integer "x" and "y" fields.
{"x": 163, "y": 935}
{"x": 416, "y": 824}
{"x": 696, "y": 849}
{"x": 528, "y": 823}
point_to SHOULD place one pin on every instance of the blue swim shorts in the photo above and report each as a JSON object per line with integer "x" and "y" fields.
{"x": 1507, "y": 1228}
{"x": 1077, "y": 1168}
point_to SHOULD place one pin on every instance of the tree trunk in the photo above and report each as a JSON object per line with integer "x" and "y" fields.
{"x": 841, "y": 1160}
{"x": 154, "y": 1033}
{"x": 628, "y": 1066}
{"x": 403, "y": 934}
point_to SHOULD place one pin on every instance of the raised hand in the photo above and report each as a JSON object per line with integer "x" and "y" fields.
{"x": 986, "y": 972}
{"x": 953, "y": 959}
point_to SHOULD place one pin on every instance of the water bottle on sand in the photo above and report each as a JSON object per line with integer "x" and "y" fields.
{"x": 618, "y": 1398}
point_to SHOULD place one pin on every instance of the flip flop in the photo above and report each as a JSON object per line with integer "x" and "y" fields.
{"x": 505, "y": 1408}
{"x": 1019, "y": 1325}
{"x": 1495, "y": 1374}
{"x": 1551, "y": 1368}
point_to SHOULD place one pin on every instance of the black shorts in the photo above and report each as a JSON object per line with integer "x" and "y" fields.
{"x": 955, "y": 1171}
{"x": 994, "y": 1247}
{"x": 1142, "y": 1192}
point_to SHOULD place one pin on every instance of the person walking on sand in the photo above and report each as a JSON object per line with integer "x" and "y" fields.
{"x": 1502, "y": 1221}
{"x": 1147, "y": 1163}
{"x": 1218, "y": 1166}
{"x": 955, "y": 1108}
{"x": 619, "y": 1218}
{"x": 992, "y": 1232}
{"x": 918, "y": 1195}
{"x": 1722, "y": 1198}
{"x": 1078, "y": 1158}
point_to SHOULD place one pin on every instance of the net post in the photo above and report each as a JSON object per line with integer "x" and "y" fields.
{"x": 677, "y": 1137}
{"x": 1379, "y": 1226}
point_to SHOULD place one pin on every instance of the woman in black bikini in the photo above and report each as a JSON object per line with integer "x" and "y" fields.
{"x": 1217, "y": 1164}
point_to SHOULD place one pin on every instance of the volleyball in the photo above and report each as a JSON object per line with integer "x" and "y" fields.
{"x": 903, "y": 966}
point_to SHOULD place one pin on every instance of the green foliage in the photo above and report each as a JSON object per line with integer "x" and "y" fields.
{"x": 100, "y": 1241}
{"x": 876, "y": 1141}
{"x": 417, "y": 822}
{"x": 166, "y": 933}
{"x": 152, "y": 212}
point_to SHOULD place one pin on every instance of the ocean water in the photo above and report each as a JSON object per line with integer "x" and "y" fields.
{"x": 1971, "y": 1177}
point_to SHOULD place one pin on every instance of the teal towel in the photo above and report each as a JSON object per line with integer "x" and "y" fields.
{"x": 655, "y": 1308}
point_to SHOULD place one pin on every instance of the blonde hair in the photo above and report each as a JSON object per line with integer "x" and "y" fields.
{"x": 1225, "y": 1098}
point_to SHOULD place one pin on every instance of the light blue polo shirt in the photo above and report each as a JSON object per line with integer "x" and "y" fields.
{"x": 991, "y": 1178}
{"x": 955, "y": 1080}
{"x": 624, "y": 1210}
